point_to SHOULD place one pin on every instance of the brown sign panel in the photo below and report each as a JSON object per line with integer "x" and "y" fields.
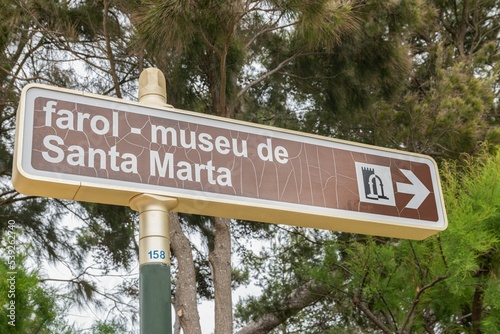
{"x": 87, "y": 147}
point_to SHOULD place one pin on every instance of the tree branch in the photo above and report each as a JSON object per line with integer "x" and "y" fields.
{"x": 109, "y": 51}
{"x": 417, "y": 300}
{"x": 268, "y": 73}
{"x": 305, "y": 295}
{"x": 362, "y": 307}
{"x": 13, "y": 199}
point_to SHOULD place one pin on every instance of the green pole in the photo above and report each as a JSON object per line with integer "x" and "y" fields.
{"x": 154, "y": 233}
{"x": 154, "y": 306}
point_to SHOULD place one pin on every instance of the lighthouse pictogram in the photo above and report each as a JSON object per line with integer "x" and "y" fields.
{"x": 375, "y": 184}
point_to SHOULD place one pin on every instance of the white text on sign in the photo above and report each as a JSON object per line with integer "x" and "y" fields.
{"x": 161, "y": 164}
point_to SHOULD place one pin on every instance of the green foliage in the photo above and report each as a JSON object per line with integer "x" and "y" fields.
{"x": 448, "y": 116}
{"x": 108, "y": 327}
{"x": 472, "y": 248}
{"x": 371, "y": 284}
{"x": 323, "y": 23}
{"x": 30, "y": 214}
{"x": 449, "y": 106}
{"x": 28, "y": 306}
{"x": 110, "y": 233}
{"x": 369, "y": 64}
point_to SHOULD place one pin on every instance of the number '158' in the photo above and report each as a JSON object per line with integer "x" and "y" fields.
{"x": 156, "y": 254}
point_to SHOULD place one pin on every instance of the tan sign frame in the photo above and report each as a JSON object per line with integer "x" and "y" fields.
{"x": 58, "y": 184}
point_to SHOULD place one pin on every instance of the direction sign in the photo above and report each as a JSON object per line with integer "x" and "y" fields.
{"x": 80, "y": 146}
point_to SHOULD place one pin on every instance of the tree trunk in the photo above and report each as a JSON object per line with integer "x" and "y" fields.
{"x": 477, "y": 309}
{"x": 463, "y": 24}
{"x": 186, "y": 307}
{"x": 477, "y": 298}
{"x": 220, "y": 262}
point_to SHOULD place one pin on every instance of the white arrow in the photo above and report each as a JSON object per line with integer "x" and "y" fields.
{"x": 416, "y": 188}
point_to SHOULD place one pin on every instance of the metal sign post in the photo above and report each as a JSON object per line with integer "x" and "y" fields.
{"x": 154, "y": 234}
{"x": 154, "y": 262}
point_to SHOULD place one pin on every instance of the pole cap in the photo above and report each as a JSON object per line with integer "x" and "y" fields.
{"x": 152, "y": 87}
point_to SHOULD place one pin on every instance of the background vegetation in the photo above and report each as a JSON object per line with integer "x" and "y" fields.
{"x": 416, "y": 75}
